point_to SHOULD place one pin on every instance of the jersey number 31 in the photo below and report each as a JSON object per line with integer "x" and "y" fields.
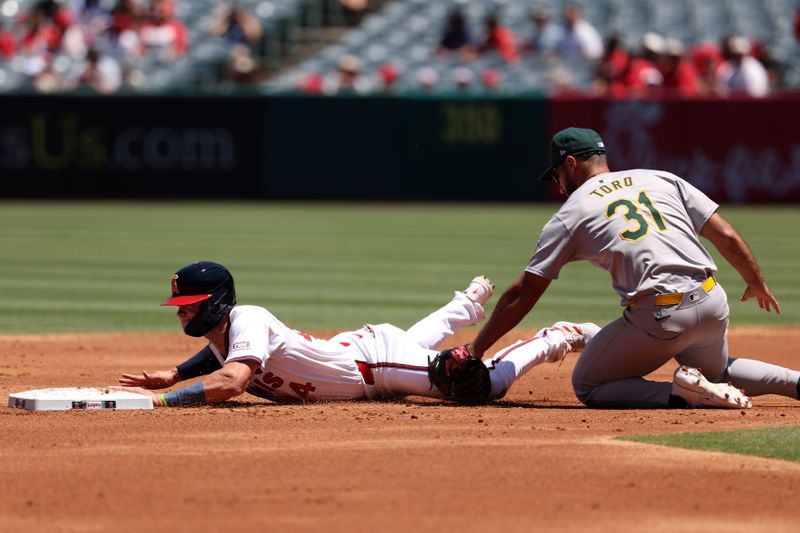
{"x": 633, "y": 213}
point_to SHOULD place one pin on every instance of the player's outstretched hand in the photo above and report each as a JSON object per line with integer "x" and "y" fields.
{"x": 140, "y": 390}
{"x": 160, "y": 379}
{"x": 761, "y": 292}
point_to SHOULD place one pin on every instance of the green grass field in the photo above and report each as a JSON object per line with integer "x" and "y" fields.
{"x": 105, "y": 266}
{"x": 773, "y": 443}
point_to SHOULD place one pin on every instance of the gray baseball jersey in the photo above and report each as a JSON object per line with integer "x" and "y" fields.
{"x": 640, "y": 225}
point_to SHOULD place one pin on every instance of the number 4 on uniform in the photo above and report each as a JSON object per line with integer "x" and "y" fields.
{"x": 302, "y": 390}
{"x": 632, "y": 214}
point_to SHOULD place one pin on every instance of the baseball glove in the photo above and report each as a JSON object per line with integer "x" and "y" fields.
{"x": 460, "y": 376}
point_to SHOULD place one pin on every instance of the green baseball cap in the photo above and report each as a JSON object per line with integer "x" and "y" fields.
{"x": 572, "y": 141}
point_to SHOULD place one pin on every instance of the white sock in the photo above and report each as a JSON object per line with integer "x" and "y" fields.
{"x": 432, "y": 330}
{"x": 513, "y": 362}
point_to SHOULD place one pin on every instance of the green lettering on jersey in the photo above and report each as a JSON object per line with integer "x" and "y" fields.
{"x": 655, "y": 213}
{"x": 632, "y": 214}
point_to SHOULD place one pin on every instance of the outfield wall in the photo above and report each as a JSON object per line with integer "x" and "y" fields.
{"x": 380, "y": 147}
{"x": 128, "y": 147}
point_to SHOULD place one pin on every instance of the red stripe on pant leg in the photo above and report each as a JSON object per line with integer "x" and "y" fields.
{"x": 366, "y": 373}
{"x": 399, "y": 365}
{"x": 366, "y": 369}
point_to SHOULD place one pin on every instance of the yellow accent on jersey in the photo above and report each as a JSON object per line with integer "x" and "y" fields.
{"x": 631, "y": 215}
{"x": 654, "y": 212}
{"x": 634, "y": 215}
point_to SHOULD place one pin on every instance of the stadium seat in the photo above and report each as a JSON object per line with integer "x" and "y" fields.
{"x": 406, "y": 33}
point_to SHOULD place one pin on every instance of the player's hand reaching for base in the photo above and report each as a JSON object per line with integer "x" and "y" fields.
{"x": 160, "y": 379}
{"x": 140, "y": 390}
{"x": 764, "y": 296}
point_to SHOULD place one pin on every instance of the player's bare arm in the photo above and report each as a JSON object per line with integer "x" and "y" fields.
{"x": 730, "y": 244}
{"x": 516, "y": 302}
{"x": 229, "y": 381}
{"x": 224, "y": 384}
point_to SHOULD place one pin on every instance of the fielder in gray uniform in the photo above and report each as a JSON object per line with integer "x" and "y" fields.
{"x": 642, "y": 226}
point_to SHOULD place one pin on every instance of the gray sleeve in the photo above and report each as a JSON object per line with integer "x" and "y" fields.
{"x": 699, "y": 206}
{"x": 555, "y": 248}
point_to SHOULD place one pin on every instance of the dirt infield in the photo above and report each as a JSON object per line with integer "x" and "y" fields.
{"x": 537, "y": 461}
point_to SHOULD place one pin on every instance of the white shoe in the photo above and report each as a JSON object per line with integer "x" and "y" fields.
{"x": 577, "y": 335}
{"x": 692, "y": 386}
{"x": 480, "y": 290}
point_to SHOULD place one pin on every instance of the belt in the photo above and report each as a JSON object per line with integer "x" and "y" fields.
{"x": 674, "y": 298}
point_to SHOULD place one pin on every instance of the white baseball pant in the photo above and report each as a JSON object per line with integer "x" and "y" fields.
{"x": 394, "y": 362}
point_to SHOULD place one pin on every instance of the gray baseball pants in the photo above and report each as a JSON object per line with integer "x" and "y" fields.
{"x": 609, "y": 372}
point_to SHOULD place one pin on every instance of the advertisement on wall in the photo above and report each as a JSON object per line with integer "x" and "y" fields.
{"x": 127, "y": 147}
{"x": 734, "y": 150}
{"x": 382, "y": 148}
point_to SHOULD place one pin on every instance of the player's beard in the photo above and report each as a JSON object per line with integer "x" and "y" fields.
{"x": 570, "y": 184}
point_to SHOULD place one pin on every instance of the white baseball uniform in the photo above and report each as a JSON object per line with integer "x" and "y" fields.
{"x": 642, "y": 227}
{"x": 376, "y": 361}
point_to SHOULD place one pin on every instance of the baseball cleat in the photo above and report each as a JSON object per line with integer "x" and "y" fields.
{"x": 480, "y": 290}
{"x": 577, "y": 335}
{"x": 691, "y": 385}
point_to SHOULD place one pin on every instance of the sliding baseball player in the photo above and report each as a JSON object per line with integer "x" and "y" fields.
{"x": 250, "y": 350}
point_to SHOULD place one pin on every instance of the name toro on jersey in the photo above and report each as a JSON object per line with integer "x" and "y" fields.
{"x": 605, "y": 218}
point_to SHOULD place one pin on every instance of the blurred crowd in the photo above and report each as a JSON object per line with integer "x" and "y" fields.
{"x": 103, "y": 46}
{"x": 92, "y": 44}
{"x": 657, "y": 66}
{"x": 664, "y": 67}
